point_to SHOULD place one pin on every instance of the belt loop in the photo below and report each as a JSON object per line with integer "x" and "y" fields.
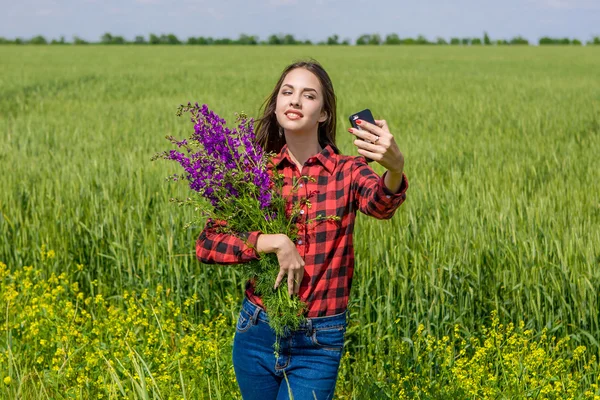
{"x": 309, "y": 327}
{"x": 254, "y": 317}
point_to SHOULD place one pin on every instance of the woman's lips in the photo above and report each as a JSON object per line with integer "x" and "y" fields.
{"x": 293, "y": 116}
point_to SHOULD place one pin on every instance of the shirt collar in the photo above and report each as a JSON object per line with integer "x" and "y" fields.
{"x": 327, "y": 157}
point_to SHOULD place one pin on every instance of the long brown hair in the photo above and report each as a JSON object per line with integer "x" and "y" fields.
{"x": 267, "y": 128}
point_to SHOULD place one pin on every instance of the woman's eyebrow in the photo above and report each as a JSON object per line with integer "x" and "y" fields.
{"x": 305, "y": 89}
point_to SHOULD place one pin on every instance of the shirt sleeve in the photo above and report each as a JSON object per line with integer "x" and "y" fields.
{"x": 370, "y": 194}
{"x": 213, "y": 247}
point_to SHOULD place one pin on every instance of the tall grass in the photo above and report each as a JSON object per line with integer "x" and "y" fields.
{"x": 501, "y": 148}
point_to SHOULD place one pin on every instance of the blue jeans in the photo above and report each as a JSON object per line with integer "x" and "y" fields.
{"x": 309, "y": 357}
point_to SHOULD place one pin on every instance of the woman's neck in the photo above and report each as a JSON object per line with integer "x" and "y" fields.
{"x": 302, "y": 148}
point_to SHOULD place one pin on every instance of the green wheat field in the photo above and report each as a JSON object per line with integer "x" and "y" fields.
{"x": 485, "y": 284}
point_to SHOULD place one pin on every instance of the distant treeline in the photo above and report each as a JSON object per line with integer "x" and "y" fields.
{"x": 368, "y": 39}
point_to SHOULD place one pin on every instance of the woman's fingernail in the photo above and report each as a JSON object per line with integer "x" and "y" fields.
{"x": 358, "y": 122}
{"x": 350, "y": 130}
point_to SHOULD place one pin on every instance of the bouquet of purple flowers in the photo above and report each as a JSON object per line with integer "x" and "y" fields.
{"x": 230, "y": 177}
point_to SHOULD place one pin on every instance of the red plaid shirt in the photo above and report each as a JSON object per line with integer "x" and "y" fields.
{"x": 343, "y": 185}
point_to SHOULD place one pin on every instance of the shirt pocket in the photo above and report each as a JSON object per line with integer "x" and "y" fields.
{"x": 333, "y": 221}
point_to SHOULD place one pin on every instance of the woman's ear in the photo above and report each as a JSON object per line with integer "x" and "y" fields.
{"x": 324, "y": 116}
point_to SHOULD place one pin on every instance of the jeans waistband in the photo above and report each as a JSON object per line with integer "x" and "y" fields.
{"x": 258, "y": 313}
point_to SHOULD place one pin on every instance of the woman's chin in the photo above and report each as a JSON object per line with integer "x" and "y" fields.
{"x": 296, "y": 128}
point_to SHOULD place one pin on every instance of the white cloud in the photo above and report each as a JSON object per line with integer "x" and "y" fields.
{"x": 215, "y": 13}
{"x": 278, "y": 3}
{"x": 569, "y": 4}
{"x": 44, "y": 11}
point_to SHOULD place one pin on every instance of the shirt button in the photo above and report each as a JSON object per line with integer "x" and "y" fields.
{"x": 388, "y": 196}
{"x": 301, "y": 211}
{"x": 300, "y": 241}
{"x": 301, "y": 185}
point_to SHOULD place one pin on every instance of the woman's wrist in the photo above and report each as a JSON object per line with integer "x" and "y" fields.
{"x": 393, "y": 180}
{"x": 268, "y": 243}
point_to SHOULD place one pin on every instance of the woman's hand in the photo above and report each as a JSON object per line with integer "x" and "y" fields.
{"x": 290, "y": 262}
{"x": 381, "y": 146}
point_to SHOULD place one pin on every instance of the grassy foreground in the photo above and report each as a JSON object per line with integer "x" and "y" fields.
{"x": 501, "y": 224}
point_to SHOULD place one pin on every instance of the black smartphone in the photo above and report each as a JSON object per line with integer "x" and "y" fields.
{"x": 364, "y": 115}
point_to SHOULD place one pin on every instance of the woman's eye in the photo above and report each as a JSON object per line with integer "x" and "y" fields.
{"x": 307, "y": 96}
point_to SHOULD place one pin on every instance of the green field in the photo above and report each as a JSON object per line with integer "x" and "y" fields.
{"x": 502, "y": 213}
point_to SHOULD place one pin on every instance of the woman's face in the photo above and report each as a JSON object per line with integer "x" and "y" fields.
{"x": 300, "y": 101}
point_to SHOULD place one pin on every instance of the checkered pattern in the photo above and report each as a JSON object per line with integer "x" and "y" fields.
{"x": 343, "y": 185}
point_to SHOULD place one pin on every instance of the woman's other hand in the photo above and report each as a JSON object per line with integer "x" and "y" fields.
{"x": 290, "y": 262}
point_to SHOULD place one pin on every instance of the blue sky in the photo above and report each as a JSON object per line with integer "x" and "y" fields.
{"x": 305, "y": 19}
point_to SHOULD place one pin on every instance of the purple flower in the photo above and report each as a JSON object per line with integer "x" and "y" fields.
{"x": 224, "y": 162}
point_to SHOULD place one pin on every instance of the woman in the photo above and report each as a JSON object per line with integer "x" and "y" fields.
{"x": 299, "y": 124}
